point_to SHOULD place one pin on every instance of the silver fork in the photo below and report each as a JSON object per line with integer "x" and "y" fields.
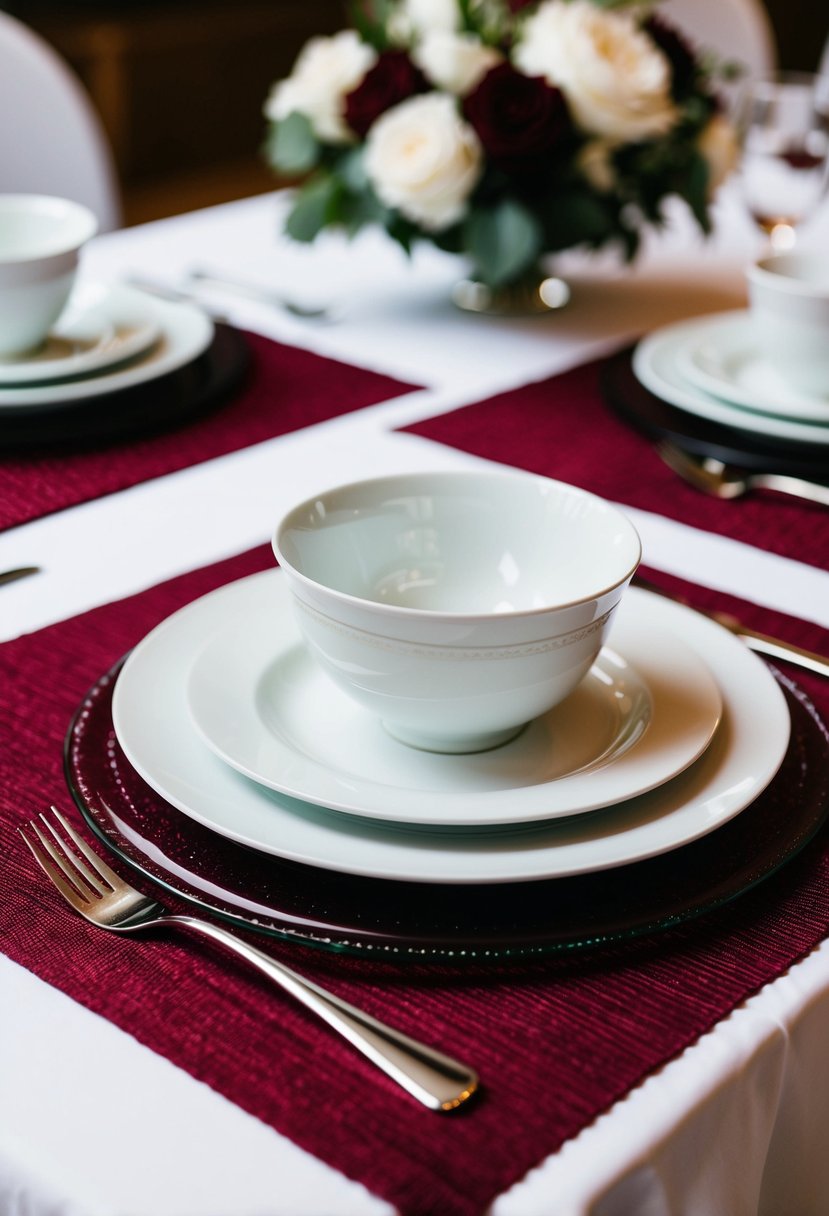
{"x": 88, "y": 884}
{"x": 725, "y": 481}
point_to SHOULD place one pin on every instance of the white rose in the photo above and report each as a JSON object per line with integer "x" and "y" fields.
{"x": 424, "y": 160}
{"x": 454, "y": 62}
{"x": 325, "y": 71}
{"x": 415, "y": 18}
{"x": 616, "y": 81}
{"x": 718, "y": 145}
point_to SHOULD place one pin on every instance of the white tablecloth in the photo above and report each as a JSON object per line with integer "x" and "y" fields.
{"x": 736, "y": 1124}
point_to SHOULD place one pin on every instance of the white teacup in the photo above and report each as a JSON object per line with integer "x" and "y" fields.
{"x": 789, "y": 294}
{"x": 40, "y": 241}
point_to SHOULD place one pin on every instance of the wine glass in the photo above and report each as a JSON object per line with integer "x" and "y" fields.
{"x": 784, "y": 127}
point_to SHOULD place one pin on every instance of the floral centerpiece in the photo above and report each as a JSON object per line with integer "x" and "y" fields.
{"x": 499, "y": 129}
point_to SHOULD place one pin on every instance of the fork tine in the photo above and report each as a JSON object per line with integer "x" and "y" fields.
{"x": 99, "y": 866}
{"x": 66, "y": 861}
{"x": 70, "y": 863}
{"x": 72, "y": 894}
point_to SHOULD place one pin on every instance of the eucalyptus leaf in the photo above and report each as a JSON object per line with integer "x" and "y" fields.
{"x": 316, "y": 206}
{"x": 696, "y": 190}
{"x": 361, "y": 210}
{"x": 351, "y": 170}
{"x": 400, "y": 230}
{"x": 370, "y": 21}
{"x": 467, "y": 22}
{"x": 577, "y": 216}
{"x": 293, "y": 147}
{"x": 503, "y": 241}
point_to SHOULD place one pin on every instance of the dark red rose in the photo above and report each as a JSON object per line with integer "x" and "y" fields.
{"x": 515, "y": 6}
{"x": 677, "y": 50}
{"x": 519, "y": 119}
{"x": 392, "y": 79}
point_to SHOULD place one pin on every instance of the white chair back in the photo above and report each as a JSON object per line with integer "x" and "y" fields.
{"x": 735, "y": 30}
{"x": 51, "y": 140}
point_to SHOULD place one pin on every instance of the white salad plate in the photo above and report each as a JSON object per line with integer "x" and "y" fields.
{"x": 647, "y": 710}
{"x": 725, "y": 359}
{"x": 657, "y": 364}
{"x": 97, "y": 331}
{"x": 183, "y": 332}
{"x": 152, "y": 723}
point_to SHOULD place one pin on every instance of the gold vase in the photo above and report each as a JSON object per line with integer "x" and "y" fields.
{"x": 534, "y": 293}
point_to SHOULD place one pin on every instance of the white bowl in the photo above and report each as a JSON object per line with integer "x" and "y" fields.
{"x": 456, "y": 606}
{"x": 789, "y": 294}
{"x": 40, "y": 241}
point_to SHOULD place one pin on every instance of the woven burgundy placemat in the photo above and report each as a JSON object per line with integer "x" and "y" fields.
{"x": 285, "y": 388}
{"x": 556, "y": 1042}
{"x": 562, "y": 427}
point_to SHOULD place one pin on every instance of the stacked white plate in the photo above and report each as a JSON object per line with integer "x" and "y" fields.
{"x": 713, "y": 367}
{"x": 110, "y": 338}
{"x": 223, "y": 713}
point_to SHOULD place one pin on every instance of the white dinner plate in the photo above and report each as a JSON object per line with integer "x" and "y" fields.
{"x": 656, "y": 364}
{"x": 724, "y": 358}
{"x": 100, "y": 329}
{"x": 646, "y": 711}
{"x": 152, "y": 723}
{"x": 184, "y": 332}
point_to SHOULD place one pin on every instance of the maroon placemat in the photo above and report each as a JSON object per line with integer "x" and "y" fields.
{"x": 285, "y": 388}
{"x": 556, "y": 1043}
{"x": 562, "y": 427}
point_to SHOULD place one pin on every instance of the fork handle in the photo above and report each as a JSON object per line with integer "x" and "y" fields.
{"x": 435, "y": 1079}
{"x": 796, "y": 486}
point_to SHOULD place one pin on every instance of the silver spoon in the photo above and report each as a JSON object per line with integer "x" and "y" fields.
{"x": 263, "y": 295}
{"x": 725, "y": 481}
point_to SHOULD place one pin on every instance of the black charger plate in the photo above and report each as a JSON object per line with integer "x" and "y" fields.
{"x": 141, "y": 410}
{"x": 657, "y": 419}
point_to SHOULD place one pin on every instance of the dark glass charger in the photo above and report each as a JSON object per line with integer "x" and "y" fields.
{"x": 702, "y": 437}
{"x": 399, "y": 921}
{"x": 149, "y": 408}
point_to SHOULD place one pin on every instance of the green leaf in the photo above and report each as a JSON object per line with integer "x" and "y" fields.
{"x": 370, "y": 20}
{"x": 503, "y": 240}
{"x": 401, "y": 230}
{"x": 696, "y": 190}
{"x": 467, "y": 23}
{"x": 292, "y": 145}
{"x": 361, "y": 210}
{"x": 352, "y": 171}
{"x": 577, "y": 216}
{"x": 450, "y": 240}
{"x": 316, "y": 206}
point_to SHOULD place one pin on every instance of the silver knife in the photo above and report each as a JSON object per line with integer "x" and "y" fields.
{"x": 773, "y": 648}
{"x": 11, "y": 576}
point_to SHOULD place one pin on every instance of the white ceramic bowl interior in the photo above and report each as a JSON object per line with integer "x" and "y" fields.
{"x": 40, "y": 241}
{"x": 789, "y": 295}
{"x": 457, "y": 606}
